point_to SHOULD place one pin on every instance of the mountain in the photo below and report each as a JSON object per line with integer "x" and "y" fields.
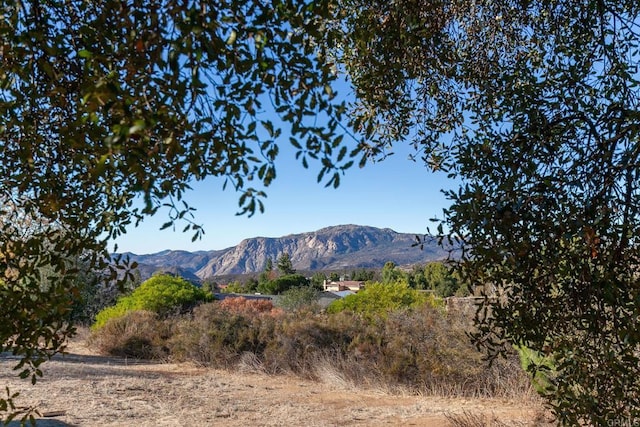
{"x": 332, "y": 248}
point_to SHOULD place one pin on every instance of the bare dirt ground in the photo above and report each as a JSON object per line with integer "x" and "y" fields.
{"x": 85, "y": 389}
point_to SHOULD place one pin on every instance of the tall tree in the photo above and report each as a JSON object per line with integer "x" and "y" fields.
{"x": 438, "y": 277}
{"x": 534, "y": 107}
{"x": 284, "y": 264}
{"x": 391, "y": 273}
{"x": 268, "y": 273}
{"x": 318, "y": 279}
{"x": 362, "y": 275}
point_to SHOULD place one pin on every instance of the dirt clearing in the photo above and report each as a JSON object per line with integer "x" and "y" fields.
{"x": 85, "y": 389}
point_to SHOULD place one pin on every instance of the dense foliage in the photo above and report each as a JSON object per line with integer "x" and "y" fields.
{"x": 379, "y": 299}
{"x": 162, "y": 294}
{"x": 438, "y": 277}
{"x": 282, "y": 283}
{"x": 297, "y": 298}
{"x": 435, "y": 276}
{"x": 534, "y": 107}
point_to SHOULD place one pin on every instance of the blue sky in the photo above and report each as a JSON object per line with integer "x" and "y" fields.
{"x": 395, "y": 193}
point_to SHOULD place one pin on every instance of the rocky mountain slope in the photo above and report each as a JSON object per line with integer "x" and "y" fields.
{"x": 332, "y": 248}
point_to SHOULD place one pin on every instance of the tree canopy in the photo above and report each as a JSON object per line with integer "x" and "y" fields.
{"x": 104, "y": 103}
{"x": 534, "y": 107}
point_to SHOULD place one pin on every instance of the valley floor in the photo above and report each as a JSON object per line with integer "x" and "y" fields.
{"x": 85, "y": 389}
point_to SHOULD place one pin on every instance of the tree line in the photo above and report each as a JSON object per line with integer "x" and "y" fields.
{"x": 436, "y": 276}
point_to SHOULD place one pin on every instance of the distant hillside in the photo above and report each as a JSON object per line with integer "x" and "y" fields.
{"x": 332, "y": 248}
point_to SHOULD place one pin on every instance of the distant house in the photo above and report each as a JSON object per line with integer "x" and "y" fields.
{"x": 343, "y": 285}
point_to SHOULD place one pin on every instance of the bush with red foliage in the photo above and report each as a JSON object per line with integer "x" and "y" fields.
{"x": 245, "y": 306}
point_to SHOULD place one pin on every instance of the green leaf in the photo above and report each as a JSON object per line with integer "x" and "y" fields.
{"x": 295, "y": 143}
{"x": 232, "y": 37}
{"x": 83, "y": 53}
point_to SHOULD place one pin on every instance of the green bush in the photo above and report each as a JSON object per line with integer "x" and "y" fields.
{"x": 161, "y": 294}
{"x": 282, "y": 284}
{"x": 298, "y": 298}
{"x": 440, "y": 279}
{"x": 379, "y": 299}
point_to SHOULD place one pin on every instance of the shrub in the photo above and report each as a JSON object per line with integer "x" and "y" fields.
{"x": 424, "y": 349}
{"x": 426, "y": 345}
{"x": 161, "y": 294}
{"x": 218, "y": 334}
{"x": 245, "y": 306}
{"x": 298, "y": 298}
{"x": 378, "y": 299}
{"x": 301, "y": 339}
{"x": 428, "y": 350}
{"x": 137, "y": 333}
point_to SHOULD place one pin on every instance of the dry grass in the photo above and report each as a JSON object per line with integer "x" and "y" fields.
{"x": 471, "y": 419}
{"x": 413, "y": 368}
{"x": 94, "y": 390}
{"x": 423, "y": 352}
{"x": 467, "y": 418}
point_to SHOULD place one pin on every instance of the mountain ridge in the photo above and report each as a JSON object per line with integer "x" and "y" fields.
{"x": 329, "y": 248}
